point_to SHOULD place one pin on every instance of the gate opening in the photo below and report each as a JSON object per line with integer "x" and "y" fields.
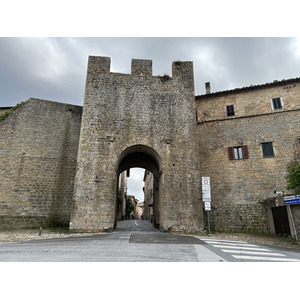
{"x": 140, "y": 202}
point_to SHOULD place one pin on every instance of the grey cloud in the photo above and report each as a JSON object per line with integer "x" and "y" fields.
{"x": 55, "y": 68}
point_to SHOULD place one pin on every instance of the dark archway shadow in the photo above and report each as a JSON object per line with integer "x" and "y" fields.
{"x": 140, "y": 156}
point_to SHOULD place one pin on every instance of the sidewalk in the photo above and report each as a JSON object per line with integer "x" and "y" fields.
{"x": 20, "y": 235}
{"x": 7, "y": 236}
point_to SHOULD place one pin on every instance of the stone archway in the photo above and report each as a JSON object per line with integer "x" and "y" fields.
{"x": 141, "y": 156}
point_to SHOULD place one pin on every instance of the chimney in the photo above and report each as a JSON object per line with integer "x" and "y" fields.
{"x": 207, "y": 87}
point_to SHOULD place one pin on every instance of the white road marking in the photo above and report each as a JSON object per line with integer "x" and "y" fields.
{"x": 252, "y": 252}
{"x": 226, "y": 241}
{"x": 240, "y": 247}
{"x": 232, "y": 244}
{"x": 264, "y": 258}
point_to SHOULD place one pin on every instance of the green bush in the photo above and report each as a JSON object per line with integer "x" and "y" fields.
{"x": 293, "y": 177}
{"x": 9, "y": 111}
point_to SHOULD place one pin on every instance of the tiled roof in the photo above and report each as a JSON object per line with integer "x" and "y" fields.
{"x": 250, "y": 88}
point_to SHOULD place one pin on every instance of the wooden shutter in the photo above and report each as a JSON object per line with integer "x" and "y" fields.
{"x": 245, "y": 152}
{"x": 230, "y": 153}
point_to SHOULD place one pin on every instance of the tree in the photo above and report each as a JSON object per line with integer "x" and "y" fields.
{"x": 129, "y": 206}
{"x": 293, "y": 177}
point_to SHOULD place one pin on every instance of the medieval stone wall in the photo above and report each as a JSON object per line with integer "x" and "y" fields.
{"x": 38, "y": 151}
{"x": 138, "y": 111}
{"x": 239, "y": 186}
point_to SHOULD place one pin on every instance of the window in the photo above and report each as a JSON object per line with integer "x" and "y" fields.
{"x": 240, "y": 152}
{"x": 230, "y": 110}
{"x": 267, "y": 149}
{"x": 276, "y": 103}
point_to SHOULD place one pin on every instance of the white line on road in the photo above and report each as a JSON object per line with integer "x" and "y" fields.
{"x": 240, "y": 247}
{"x": 252, "y": 252}
{"x": 228, "y": 241}
{"x": 264, "y": 258}
{"x": 232, "y": 244}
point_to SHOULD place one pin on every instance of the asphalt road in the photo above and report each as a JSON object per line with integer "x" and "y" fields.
{"x": 137, "y": 241}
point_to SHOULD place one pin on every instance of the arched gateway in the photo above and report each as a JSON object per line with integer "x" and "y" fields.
{"x": 140, "y": 156}
{"x": 139, "y": 120}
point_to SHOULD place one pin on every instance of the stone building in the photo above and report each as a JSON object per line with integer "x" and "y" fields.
{"x": 148, "y": 195}
{"x": 247, "y": 137}
{"x": 122, "y": 195}
{"x": 61, "y": 164}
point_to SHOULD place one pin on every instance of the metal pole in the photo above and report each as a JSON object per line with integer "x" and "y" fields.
{"x": 208, "y": 222}
{"x": 294, "y": 228}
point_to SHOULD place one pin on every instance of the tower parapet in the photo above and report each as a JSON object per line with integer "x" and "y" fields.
{"x": 141, "y": 67}
{"x": 184, "y": 70}
{"x": 97, "y": 65}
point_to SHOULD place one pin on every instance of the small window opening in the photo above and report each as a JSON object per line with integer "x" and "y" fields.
{"x": 237, "y": 152}
{"x": 267, "y": 149}
{"x": 240, "y": 152}
{"x": 276, "y": 103}
{"x": 230, "y": 110}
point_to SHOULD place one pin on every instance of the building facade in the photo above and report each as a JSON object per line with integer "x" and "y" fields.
{"x": 60, "y": 164}
{"x": 247, "y": 138}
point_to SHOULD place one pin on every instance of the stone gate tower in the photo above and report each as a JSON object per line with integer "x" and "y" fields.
{"x": 138, "y": 120}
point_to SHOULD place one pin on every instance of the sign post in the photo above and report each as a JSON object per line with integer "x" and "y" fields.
{"x": 288, "y": 200}
{"x": 206, "y": 197}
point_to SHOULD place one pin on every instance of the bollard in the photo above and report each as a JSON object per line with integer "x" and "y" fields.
{"x": 40, "y": 233}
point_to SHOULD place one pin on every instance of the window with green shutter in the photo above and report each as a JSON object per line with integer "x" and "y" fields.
{"x": 267, "y": 149}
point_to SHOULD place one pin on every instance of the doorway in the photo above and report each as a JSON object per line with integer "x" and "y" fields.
{"x": 281, "y": 221}
{"x": 146, "y": 159}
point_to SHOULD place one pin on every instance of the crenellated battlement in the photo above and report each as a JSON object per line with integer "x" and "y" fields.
{"x": 99, "y": 64}
{"x": 139, "y": 67}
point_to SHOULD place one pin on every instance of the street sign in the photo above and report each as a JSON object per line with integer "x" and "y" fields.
{"x": 206, "y": 195}
{"x": 205, "y": 183}
{"x": 207, "y": 205}
{"x": 288, "y": 200}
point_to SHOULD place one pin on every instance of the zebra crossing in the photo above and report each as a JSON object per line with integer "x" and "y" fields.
{"x": 243, "y": 251}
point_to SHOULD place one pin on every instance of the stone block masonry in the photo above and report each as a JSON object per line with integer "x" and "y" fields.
{"x": 38, "y": 151}
{"x": 59, "y": 164}
{"x": 134, "y": 113}
{"x": 240, "y": 185}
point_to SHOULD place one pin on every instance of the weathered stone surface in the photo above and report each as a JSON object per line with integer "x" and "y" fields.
{"x": 38, "y": 151}
{"x": 240, "y": 186}
{"x": 140, "y": 120}
{"x": 151, "y": 118}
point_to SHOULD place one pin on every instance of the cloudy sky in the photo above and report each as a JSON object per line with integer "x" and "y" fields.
{"x": 55, "y": 68}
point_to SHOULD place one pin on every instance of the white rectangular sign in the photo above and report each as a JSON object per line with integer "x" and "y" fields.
{"x": 205, "y": 183}
{"x": 206, "y": 195}
{"x": 207, "y": 205}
